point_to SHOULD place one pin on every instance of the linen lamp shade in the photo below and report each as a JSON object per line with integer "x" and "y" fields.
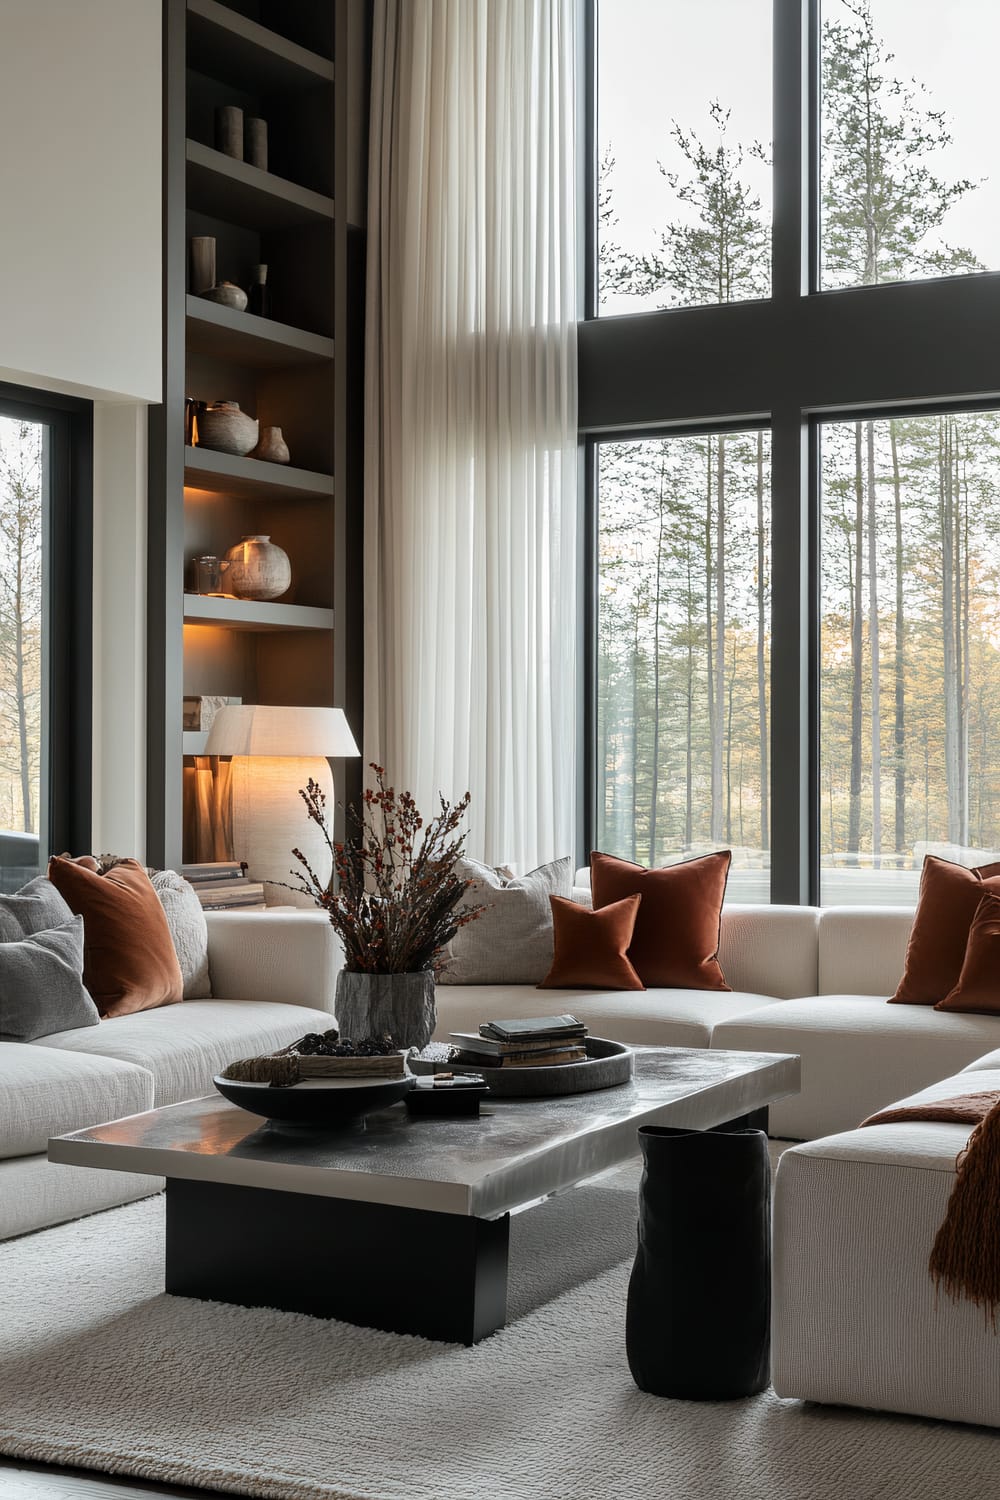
{"x": 275, "y": 751}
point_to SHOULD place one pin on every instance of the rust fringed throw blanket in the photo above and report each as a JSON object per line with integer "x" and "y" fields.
{"x": 965, "y": 1259}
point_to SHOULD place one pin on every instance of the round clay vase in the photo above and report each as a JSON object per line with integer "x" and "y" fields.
{"x": 225, "y": 429}
{"x": 226, "y": 294}
{"x": 272, "y": 447}
{"x": 258, "y": 569}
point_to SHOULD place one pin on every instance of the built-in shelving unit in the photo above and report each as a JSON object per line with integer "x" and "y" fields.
{"x": 303, "y": 66}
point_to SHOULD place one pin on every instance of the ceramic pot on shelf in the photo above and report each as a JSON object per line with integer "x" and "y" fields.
{"x": 225, "y": 429}
{"x": 272, "y": 448}
{"x": 258, "y": 569}
{"x": 226, "y": 294}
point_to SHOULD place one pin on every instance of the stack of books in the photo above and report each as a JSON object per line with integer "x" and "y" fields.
{"x": 223, "y": 886}
{"x": 545, "y": 1041}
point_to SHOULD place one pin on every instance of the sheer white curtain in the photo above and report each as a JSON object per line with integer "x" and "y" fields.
{"x": 471, "y": 420}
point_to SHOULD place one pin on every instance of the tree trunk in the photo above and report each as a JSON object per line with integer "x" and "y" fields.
{"x": 720, "y": 639}
{"x": 947, "y": 533}
{"x": 899, "y": 715}
{"x": 857, "y": 626}
{"x": 689, "y": 712}
{"x": 20, "y": 689}
{"x": 655, "y": 758}
{"x": 765, "y": 818}
{"x": 633, "y": 821}
{"x": 709, "y": 634}
{"x": 875, "y": 647}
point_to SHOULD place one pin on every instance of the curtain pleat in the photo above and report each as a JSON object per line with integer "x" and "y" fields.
{"x": 471, "y": 488}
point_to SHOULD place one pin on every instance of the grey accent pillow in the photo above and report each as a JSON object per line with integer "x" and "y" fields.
{"x": 41, "y": 984}
{"x": 510, "y": 942}
{"x": 36, "y": 907}
{"x": 188, "y": 929}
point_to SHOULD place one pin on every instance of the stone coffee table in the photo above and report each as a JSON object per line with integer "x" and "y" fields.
{"x": 399, "y": 1222}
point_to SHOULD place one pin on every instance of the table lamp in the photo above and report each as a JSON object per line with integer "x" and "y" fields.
{"x": 275, "y": 751}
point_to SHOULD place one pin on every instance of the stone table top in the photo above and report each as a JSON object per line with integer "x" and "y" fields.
{"x": 518, "y": 1151}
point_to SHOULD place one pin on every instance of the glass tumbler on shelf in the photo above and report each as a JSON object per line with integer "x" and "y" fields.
{"x": 208, "y": 575}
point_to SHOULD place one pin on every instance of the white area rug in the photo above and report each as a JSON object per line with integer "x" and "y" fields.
{"x": 99, "y": 1369}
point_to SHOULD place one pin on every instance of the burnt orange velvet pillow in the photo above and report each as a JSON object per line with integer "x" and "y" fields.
{"x": 129, "y": 962}
{"x": 946, "y": 906}
{"x": 590, "y": 946}
{"x": 676, "y": 939}
{"x": 978, "y": 987}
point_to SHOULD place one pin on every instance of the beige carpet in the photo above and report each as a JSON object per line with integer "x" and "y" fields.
{"x": 99, "y": 1369}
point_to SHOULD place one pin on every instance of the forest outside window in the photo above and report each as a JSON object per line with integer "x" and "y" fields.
{"x": 909, "y": 185}
{"x": 683, "y": 665}
{"x": 910, "y": 642}
{"x": 683, "y": 126}
{"x": 23, "y": 514}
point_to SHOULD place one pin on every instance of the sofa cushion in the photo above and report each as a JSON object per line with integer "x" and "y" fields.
{"x": 946, "y": 906}
{"x": 676, "y": 938}
{"x": 188, "y": 931}
{"x": 988, "y": 1063}
{"x": 977, "y": 990}
{"x": 41, "y": 984}
{"x": 511, "y": 941}
{"x": 590, "y": 946}
{"x": 46, "y": 1092}
{"x": 662, "y": 1018}
{"x": 183, "y": 1046}
{"x": 36, "y": 907}
{"x": 857, "y": 1054}
{"x": 129, "y": 958}
{"x": 770, "y": 950}
{"x": 861, "y": 949}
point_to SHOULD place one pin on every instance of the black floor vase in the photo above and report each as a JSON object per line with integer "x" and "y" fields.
{"x": 699, "y": 1301}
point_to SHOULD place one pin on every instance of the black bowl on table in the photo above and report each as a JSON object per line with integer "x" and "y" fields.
{"x": 315, "y": 1101}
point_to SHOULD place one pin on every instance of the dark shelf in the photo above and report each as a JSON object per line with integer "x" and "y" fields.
{"x": 227, "y": 46}
{"x": 253, "y": 614}
{"x": 248, "y": 340}
{"x": 251, "y": 479}
{"x": 227, "y": 189}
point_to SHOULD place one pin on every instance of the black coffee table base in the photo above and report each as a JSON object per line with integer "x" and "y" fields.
{"x": 404, "y": 1270}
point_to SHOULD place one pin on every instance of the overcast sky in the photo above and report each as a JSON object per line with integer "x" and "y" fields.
{"x": 664, "y": 60}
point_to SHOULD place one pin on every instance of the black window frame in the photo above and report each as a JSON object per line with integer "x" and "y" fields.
{"x": 800, "y": 358}
{"x": 67, "y": 712}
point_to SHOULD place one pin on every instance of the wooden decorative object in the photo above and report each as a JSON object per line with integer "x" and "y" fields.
{"x": 229, "y": 131}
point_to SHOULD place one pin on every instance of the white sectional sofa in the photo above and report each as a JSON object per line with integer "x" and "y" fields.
{"x": 275, "y": 975}
{"x": 808, "y": 980}
{"x": 857, "y": 1319}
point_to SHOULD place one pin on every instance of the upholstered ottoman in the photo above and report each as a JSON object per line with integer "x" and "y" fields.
{"x": 42, "y": 1093}
{"x": 856, "y": 1318}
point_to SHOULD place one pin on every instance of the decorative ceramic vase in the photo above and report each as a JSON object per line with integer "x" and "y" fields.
{"x": 272, "y": 447}
{"x": 258, "y": 569}
{"x": 396, "y": 1005}
{"x": 229, "y": 130}
{"x": 226, "y": 429}
{"x": 697, "y": 1325}
{"x": 226, "y": 294}
{"x": 202, "y": 263}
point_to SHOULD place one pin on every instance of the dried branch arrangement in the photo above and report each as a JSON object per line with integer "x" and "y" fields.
{"x": 396, "y": 902}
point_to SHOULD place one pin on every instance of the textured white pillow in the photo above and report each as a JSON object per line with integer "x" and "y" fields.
{"x": 189, "y": 931}
{"x": 510, "y": 942}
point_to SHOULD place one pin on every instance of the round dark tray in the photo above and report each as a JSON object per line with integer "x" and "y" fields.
{"x": 315, "y": 1101}
{"x": 607, "y": 1065}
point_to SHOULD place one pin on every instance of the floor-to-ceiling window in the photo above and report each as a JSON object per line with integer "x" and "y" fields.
{"x": 787, "y": 387}
{"x": 45, "y": 521}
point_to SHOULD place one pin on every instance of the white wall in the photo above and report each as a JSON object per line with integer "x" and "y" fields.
{"x": 80, "y": 130}
{"x": 80, "y": 310}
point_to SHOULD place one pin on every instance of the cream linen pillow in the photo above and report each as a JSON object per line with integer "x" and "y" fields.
{"x": 511, "y": 942}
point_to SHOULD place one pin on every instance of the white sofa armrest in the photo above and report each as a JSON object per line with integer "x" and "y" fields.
{"x": 291, "y": 956}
